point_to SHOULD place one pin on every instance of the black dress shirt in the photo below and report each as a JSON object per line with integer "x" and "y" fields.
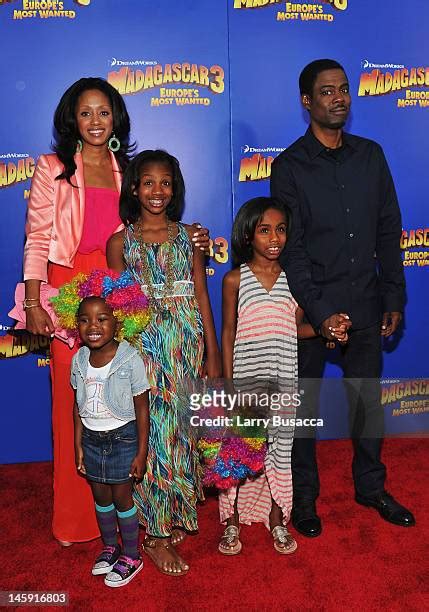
{"x": 342, "y": 253}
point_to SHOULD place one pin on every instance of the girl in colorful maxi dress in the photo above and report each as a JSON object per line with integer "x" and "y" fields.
{"x": 158, "y": 251}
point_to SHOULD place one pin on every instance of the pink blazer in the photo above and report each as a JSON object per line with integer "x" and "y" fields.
{"x": 55, "y": 216}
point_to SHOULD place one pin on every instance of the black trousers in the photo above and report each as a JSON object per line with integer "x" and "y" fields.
{"x": 361, "y": 361}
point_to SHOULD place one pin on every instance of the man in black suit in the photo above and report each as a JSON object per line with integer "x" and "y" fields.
{"x": 344, "y": 268}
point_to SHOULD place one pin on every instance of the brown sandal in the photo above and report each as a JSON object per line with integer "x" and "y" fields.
{"x": 150, "y": 545}
{"x": 282, "y": 537}
{"x": 231, "y": 533}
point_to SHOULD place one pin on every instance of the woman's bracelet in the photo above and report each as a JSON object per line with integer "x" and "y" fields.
{"x": 27, "y": 305}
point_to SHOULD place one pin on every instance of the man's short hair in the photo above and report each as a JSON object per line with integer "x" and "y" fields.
{"x": 308, "y": 76}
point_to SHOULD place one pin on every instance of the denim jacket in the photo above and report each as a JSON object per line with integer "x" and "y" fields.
{"x": 126, "y": 378}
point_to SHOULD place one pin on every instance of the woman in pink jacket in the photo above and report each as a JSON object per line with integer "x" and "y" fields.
{"x": 73, "y": 209}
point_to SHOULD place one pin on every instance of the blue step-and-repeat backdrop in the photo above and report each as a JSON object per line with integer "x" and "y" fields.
{"x": 214, "y": 82}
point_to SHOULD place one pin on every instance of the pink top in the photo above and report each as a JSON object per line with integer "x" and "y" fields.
{"x": 101, "y": 218}
{"x": 55, "y": 215}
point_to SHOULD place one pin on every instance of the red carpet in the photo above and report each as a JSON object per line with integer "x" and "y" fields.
{"x": 359, "y": 563}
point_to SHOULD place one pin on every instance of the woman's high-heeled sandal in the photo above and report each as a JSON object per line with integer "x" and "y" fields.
{"x": 226, "y": 544}
{"x": 284, "y": 543}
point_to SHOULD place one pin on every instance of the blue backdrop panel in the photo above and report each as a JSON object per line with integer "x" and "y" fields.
{"x": 238, "y": 61}
{"x": 134, "y": 35}
{"x": 270, "y": 43}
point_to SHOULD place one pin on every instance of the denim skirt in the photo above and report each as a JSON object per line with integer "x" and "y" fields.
{"x": 107, "y": 455}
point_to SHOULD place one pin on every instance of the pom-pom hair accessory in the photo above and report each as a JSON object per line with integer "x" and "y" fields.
{"x": 230, "y": 460}
{"x": 120, "y": 291}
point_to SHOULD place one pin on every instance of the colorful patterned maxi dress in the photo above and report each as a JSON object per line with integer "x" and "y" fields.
{"x": 172, "y": 349}
{"x": 265, "y": 359}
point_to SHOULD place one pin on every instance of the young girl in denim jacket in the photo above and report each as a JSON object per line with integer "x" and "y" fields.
{"x": 111, "y": 411}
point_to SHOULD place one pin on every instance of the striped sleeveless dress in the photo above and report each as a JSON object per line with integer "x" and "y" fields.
{"x": 265, "y": 358}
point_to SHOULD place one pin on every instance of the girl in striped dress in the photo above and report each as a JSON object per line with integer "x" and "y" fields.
{"x": 259, "y": 347}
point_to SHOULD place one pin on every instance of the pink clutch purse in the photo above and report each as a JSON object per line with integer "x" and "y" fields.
{"x": 46, "y": 292}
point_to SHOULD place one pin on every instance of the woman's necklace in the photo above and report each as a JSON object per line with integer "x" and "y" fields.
{"x": 162, "y": 303}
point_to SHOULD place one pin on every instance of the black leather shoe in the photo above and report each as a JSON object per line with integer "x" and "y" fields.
{"x": 306, "y": 521}
{"x": 388, "y": 508}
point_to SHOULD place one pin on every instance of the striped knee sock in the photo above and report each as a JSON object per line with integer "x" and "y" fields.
{"x": 106, "y": 519}
{"x": 129, "y": 527}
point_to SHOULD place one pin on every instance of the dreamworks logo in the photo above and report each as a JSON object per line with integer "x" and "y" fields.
{"x": 119, "y": 62}
{"x": 247, "y": 149}
{"x": 13, "y": 155}
{"x": 367, "y": 64}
